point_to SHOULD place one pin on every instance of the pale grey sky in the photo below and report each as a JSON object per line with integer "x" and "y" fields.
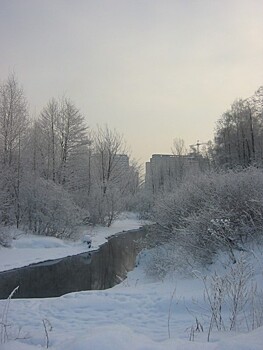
{"x": 152, "y": 69}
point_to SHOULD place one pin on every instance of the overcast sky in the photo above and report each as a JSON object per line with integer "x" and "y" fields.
{"x": 152, "y": 69}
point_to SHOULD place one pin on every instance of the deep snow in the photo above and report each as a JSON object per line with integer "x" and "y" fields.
{"x": 138, "y": 314}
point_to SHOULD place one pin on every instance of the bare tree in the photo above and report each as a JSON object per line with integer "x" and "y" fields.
{"x": 179, "y": 147}
{"x": 13, "y": 118}
{"x": 179, "y": 151}
{"x": 48, "y": 138}
{"x": 238, "y": 137}
{"x": 113, "y": 179}
{"x": 72, "y": 135}
{"x": 62, "y": 138}
{"x": 108, "y": 146}
{"x": 13, "y": 127}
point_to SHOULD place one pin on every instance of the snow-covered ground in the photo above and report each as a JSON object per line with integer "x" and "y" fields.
{"x": 28, "y": 249}
{"x": 138, "y": 314}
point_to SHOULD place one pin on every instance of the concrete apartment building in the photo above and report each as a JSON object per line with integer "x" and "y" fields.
{"x": 164, "y": 171}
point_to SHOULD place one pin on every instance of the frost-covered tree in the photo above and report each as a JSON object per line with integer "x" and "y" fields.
{"x": 73, "y": 138}
{"x": 47, "y": 208}
{"x": 13, "y": 119}
{"x": 57, "y": 163}
{"x": 63, "y": 139}
{"x": 53, "y": 172}
{"x": 113, "y": 179}
{"x": 239, "y": 132}
{"x": 13, "y": 130}
{"x": 48, "y": 144}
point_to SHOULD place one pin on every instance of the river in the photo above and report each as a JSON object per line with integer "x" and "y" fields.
{"x": 99, "y": 269}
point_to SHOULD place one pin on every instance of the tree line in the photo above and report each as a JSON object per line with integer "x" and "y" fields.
{"x": 55, "y": 172}
{"x": 239, "y": 134}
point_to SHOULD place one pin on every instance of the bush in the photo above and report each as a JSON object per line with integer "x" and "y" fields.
{"x": 213, "y": 212}
{"x": 48, "y": 209}
{"x": 6, "y": 236}
{"x": 233, "y": 300}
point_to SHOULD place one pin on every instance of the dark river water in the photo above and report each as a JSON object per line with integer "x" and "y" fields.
{"x": 98, "y": 269}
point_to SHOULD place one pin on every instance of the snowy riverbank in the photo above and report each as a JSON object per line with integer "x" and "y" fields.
{"x": 138, "y": 314}
{"x": 133, "y": 315}
{"x": 28, "y": 249}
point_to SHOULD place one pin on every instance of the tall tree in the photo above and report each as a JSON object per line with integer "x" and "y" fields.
{"x": 13, "y": 128}
{"x": 238, "y": 137}
{"x": 63, "y": 138}
{"x": 13, "y": 119}
{"x": 108, "y": 145}
{"x": 48, "y": 139}
{"x": 113, "y": 179}
{"x": 73, "y": 138}
{"x": 179, "y": 151}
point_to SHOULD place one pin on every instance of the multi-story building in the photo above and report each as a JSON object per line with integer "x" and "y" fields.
{"x": 164, "y": 171}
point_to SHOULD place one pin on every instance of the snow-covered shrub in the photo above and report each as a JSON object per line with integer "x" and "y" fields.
{"x": 142, "y": 203}
{"x": 213, "y": 212}
{"x": 163, "y": 260}
{"x": 5, "y": 236}
{"x": 232, "y": 297}
{"x": 105, "y": 207}
{"x": 5, "y": 326}
{"x": 158, "y": 261}
{"x": 48, "y": 209}
{"x": 161, "y": 255}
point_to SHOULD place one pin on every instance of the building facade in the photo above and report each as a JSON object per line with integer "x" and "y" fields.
{"x": 165, "y": 171}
